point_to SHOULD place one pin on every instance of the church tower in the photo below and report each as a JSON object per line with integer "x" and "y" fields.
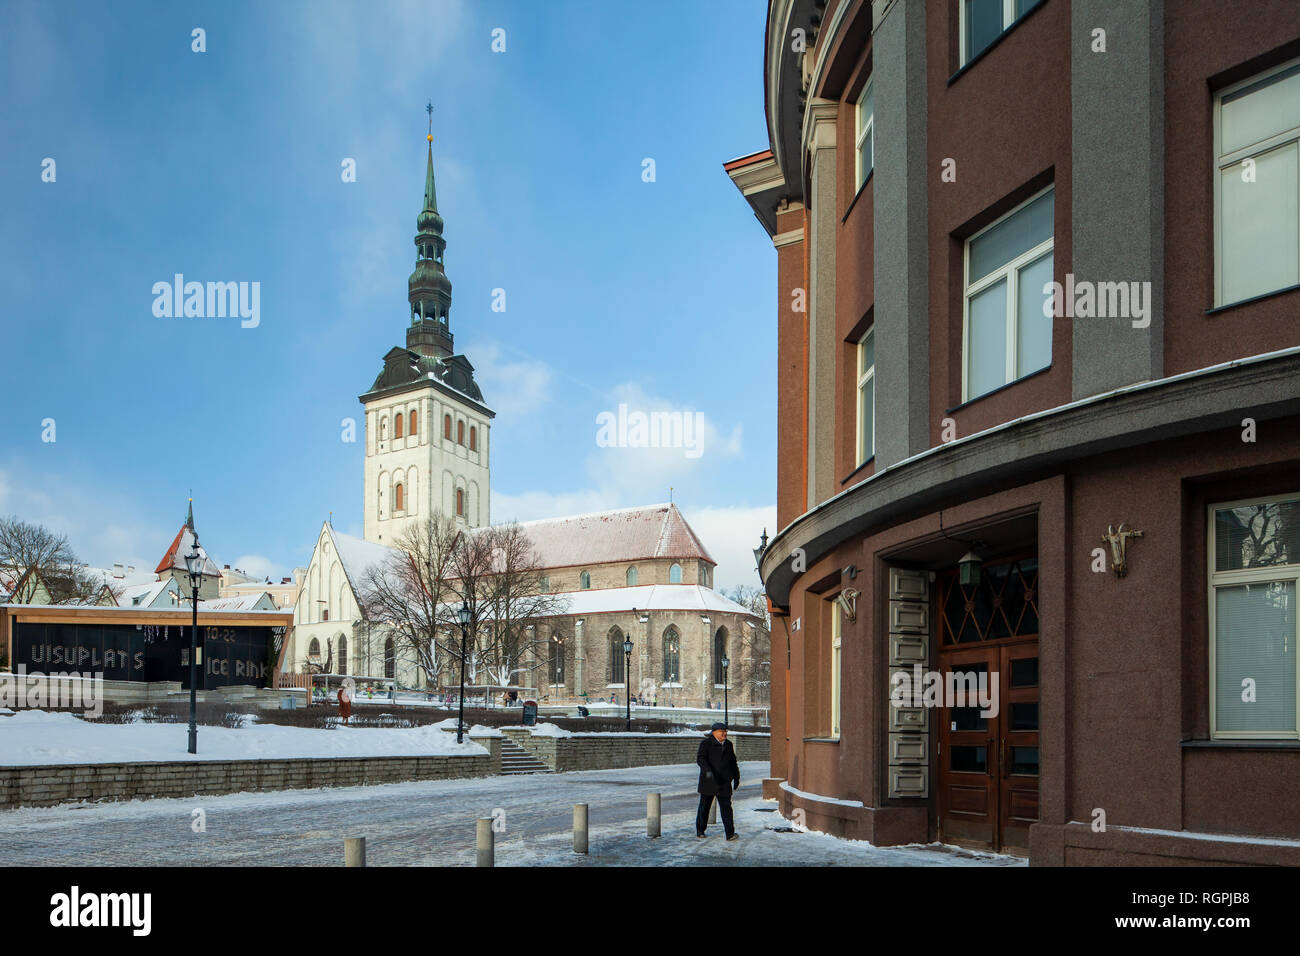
{"x": 427, "y": 425}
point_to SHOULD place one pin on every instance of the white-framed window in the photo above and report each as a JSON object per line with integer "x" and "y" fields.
{"x": 866, "y": 447}
{"x": 1008, "y": 264}
{"x": 1254, "y": 569}
{"x": 834, "y": 608}
{"x": 983, "y": 21}
{"x": 865, "y": 150}
{"x": 1257, "y": 185}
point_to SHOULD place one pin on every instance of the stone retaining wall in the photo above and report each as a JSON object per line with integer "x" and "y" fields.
{"x": 611, "y": 751}
{"x": 43, "y": 786}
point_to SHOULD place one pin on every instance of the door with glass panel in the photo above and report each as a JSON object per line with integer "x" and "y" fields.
{"x": 988, "y": 746}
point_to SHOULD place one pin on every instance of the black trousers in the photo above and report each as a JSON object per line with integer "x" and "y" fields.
{"x": 724, "y": 804}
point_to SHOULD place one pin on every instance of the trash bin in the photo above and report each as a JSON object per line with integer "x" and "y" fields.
{"x": 530, "y": 713}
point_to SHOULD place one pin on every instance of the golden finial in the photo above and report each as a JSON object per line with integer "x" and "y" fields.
{"x": 429, "y": 109}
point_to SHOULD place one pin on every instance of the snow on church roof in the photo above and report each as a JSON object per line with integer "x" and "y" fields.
{"x": 629, "y": 534}
{"x": 358, "y": 555}
{"x": 650, "y": 597}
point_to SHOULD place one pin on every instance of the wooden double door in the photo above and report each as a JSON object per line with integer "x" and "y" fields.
{"x": 988, "y": 765}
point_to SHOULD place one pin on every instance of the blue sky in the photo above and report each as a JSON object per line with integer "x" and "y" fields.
{"x": 225, "y": 166}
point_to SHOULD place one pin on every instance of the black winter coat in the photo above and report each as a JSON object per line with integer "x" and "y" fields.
{"x": 719, "y": 772}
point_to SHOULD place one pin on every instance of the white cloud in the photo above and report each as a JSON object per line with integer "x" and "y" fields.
{"x": 512, "y": 387}
{"x": 259, "y": 566}
{"x": 731, "y": 535}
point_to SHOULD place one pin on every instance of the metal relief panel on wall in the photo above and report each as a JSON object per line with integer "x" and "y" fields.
{"x": 911, "y": 719}
{"x": 908, "y": 649}
{"x": 909, "y": 781}
{"x": 907, "y": 749}
{"x": 908, "y": 585}
{"x": 909, "y": 616}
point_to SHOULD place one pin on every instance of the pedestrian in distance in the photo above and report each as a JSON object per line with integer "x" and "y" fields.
{"x": 719, "y": 776}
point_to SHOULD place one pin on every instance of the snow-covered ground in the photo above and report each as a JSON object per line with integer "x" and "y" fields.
{"x": 432, "y": 823}
{"x": 40, "y": 737}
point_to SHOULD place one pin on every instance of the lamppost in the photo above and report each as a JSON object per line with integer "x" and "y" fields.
{"x": 463, "y": 616}
{"x": 725, "y": 709}
{"x": 758, "y": 555}
{"x": 557, "y": 672}
{"x": 194, "y": 565}
{"x": 627, "y": 678}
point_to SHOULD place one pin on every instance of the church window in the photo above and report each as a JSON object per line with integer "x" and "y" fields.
{"x": 313, "y": 651}
{"x": 631, "y": 576}
{"x": 460, "y": 501}
{"x": 398, "y": 503}
{"x": 343, "y": 655}
{"x": 615, "y": 655}
{"x": 719, "y": 652}
{"x": 473, "y": 438}
{"x": 675, "y": 574}
{"x": 460, "y": 433}
{"x": 412, "y": 420}
{"x": 672, "y": 656}
{"x": 446, "y": 426}
{"x": 397, "y": 426}
{"x": 584, "y": 580}
{"x": 325, "y": 614}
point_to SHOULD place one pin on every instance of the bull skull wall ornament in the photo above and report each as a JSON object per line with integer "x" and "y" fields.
{"x": 847, "y": 599}
{"x": 1118, "y": 541}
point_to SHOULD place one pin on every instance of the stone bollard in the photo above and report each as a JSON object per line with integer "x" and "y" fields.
{"x": 354, "y": 851}
{"x": 486, "y": 842}
{"x": 652, "y": 817}
{"x": 579, "y": 828}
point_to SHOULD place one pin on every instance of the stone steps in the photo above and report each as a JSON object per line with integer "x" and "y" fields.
{"x": 516, "y": 760}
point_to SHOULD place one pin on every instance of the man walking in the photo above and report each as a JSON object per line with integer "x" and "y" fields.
{"x": 719, "y": 775}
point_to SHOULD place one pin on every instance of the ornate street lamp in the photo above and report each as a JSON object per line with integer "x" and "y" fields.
{"x": 627, "y": 678}
{"x": 194, "y": 565}
{"x": 726, "y": 662}
{"x": 463, "y": 616}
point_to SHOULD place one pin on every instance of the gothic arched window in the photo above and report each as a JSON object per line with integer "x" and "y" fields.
{"x": 460, "y": 501}
{"x": 631, "y": 576}
{"x": 675, "y": 574}
{"x": 719, "y": 652}
{"x": 473, "y": 438}
{"x": 397, "y": 426}
{"x": 615, "y": 655}
{"x": 343, "y": 655}
{"x": 460, "y": 433}
{"x": 446, "y": 426}
{"x": 584, "y": 580}
{"x": 313, "y": 651}
{"x": 411, "y": 430}
{"x": 399, "y": 504}
{"x": 672, "y": 656}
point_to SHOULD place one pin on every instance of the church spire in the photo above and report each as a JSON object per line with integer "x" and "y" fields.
{"x": 429, "y": 289}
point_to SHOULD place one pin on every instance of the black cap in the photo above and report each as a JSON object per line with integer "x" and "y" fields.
{"x": 719, "y": 725}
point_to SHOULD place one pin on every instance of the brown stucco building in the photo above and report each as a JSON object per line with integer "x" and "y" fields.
{"x": 1082, "y": 499}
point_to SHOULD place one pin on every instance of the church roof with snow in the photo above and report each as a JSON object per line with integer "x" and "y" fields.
{"x": 629, "y": 534}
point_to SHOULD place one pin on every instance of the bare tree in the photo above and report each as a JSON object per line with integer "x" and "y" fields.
{"x": 30, "y": 547}
{"x": 515, "y": 606}
{"x": 408, "y": 597}
{"x": 755, "y": 664}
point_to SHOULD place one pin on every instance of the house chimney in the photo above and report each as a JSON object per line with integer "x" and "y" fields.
{"x": 117, "y": 570}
